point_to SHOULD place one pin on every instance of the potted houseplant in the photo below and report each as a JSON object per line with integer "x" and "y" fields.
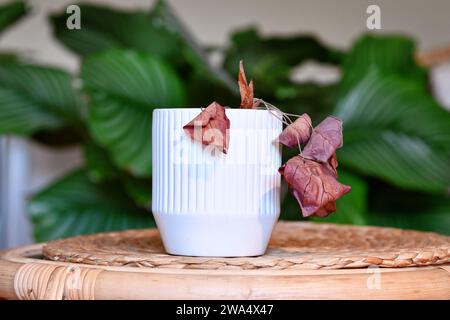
{"x": 221, "y": 197}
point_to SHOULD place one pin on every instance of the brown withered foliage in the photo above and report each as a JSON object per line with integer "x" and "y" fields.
{"x": 297, "y": 133}
{"x": 325, "y": 139}
{"x": 210, "y": 127}
{"x": 314, "y": 185}
{"x": 312, "y": 175}
{"x": 246, "y": 90}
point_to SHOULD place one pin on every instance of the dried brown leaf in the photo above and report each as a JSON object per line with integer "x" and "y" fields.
{"x": 325, "y": 139}
{"x": 333, "y": 164}
{"x": 246, "y": 90}
{"x": 314, "y": 185}
{"x": 210, "y": 127}
{"x": 297, "y": 132}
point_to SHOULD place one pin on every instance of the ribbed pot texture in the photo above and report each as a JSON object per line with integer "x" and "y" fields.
{"x": 207, "y": 203}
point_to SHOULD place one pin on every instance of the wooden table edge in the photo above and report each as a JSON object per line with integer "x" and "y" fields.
{"x": 19, "y": 275}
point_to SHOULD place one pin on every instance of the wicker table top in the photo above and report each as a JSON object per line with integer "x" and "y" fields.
{"x": 304, "y": 260}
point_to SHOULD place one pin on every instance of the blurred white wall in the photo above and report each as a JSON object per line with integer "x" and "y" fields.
{"x": 336, "y": 22}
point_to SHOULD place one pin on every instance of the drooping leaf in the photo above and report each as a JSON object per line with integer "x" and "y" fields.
{"x": 74, "y": 205}
{"x": 297, "y": 133}
{"x": 325, "y": 139}
{"x": 313, "y": 178}
{"x": 395, "y": 131}
{"x": 10, "y": 13}
{"x": 314, "y": 186}
{"x": 289, "y": 204}
{"x": 210, "y": 127}
{"x": 333, "y": 164}
{"x": 351, "y": 209}
{"x": 34, "y": 98}
{"x": 125, "y": 87}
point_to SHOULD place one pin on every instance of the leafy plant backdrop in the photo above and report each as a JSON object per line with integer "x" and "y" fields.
{"x": 396, "y": 153}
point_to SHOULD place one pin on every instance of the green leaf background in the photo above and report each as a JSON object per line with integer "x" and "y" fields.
{"x": 10, "y": 13}
{"x": 125, "y": 87}
{"x": 74, "y": 205}
{"x": 395, "y": 131}
{"x": 33, "y": 98}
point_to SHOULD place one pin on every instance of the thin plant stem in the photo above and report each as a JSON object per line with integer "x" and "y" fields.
{"x": 282, "y": 116}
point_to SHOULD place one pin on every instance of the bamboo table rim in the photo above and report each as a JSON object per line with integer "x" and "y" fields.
{"x": 24, "y": 274}
{"x": 25, "y": 277}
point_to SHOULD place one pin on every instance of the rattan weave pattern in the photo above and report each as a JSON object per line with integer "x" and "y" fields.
{"x": 294, "y": 245}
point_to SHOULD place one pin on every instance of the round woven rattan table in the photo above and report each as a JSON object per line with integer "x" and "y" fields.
{"x": 304, "y": 261}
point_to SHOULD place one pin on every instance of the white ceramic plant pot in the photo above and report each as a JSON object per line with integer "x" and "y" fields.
{"x": 213, "y": 204}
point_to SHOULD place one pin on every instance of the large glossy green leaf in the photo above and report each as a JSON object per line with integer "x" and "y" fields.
{"x": 104, "y": 28}
{"x": 394, "y": 130}
{"x": 125, "y": 87}
{"x": 391, "y": 54}
{"x": 74, "y": 205}
{"x": 158, "y": 32}
{"x": 10, "y": 13}
{"x": 33, "y": 98}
